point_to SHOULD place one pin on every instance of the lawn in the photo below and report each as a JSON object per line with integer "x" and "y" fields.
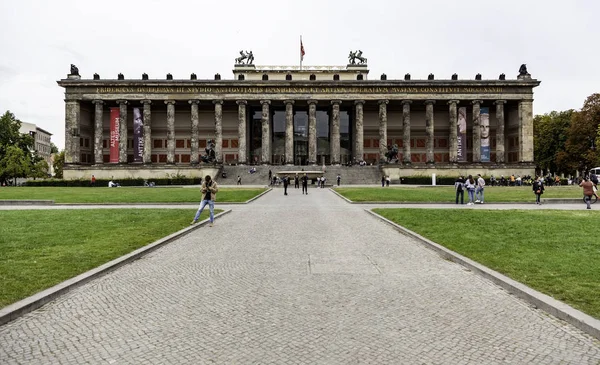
{"x": 100, "y": 195}
{"x": 41, "y": 248}
{"x": 555, "y": 252}
{"x": 446, "y": 194}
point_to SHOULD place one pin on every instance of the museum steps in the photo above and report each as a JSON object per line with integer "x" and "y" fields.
{"x": 355, "y": 175}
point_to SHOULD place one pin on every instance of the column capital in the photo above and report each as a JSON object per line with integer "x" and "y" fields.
{"x": 499, "y": 102}
{"x": 429, "y": 102}
{"x": 262, "y": 102}
{"x": 98, "y": 102}
{"x": 526, "y": 101}
{"x": 356, "y": 102}
{"x": 172, "y": 102}
{"x": 384, "y": 101}
{"x": 122, "y": 102}
{"x": 476, "y": 102}
{"x": 218, "y": 101}
{"x": 194, "y": 102}
{"x": 241, "y": 102}
{"x": 146, "y": 101}
{"x": 453, "y": 102}
{"x": 289, "y": 101}
{"x": 406, "y": 102}
{"x": 315, "y": 102}
{"x": 336, "y": 102}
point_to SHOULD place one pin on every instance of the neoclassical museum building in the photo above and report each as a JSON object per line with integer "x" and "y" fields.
{"x": 293, "y": 115}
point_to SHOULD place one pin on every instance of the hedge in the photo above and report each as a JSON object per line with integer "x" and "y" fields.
{"x": 122, "y": 182}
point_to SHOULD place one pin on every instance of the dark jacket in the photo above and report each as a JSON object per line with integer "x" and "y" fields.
{"x": 537, "y": 185}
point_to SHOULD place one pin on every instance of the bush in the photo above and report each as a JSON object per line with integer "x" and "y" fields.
{"x": 178, "y": 180}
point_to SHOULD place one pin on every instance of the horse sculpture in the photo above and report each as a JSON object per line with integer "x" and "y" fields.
{"x": 210, "y": 153}
{"x": 357, "y": 55}
{"x": 392, "y": 153}
{"x": 248, "y": 56}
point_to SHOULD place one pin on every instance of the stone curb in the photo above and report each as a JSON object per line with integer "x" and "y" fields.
{"x": 256, "y": 197}
{"x": 29, "y": 304}
{"x": 550, "y": 305}
{"x": 26, "y": 202}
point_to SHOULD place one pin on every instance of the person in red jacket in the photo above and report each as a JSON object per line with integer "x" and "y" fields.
{"x": 588, "y": 190}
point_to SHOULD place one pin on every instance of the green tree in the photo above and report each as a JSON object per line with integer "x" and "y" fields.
{"x": 53, "y": 148}
{"x": 11, "y": 137}
{"x": 39, "y": 169}
{"x": 15, "y": 163}
{"x": 59, "y": 161}
{"x": 550, "y": 136}
{"x": 581, "y": 146}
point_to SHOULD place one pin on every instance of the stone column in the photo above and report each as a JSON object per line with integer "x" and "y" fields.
{"x": 289, "y": 132}
{"x": 147, "y": 157}
{"x": 266, "y": 133}
{"x": 170, "y": 131}
{"x": 194, "y": 149}
{"x": 382, "y": 129}
{"x": 526, "y": 131}
{"x": 335, "y": 132}
{"x": 122, "y": 131}
{"x": 453, "y": 148}
{"x": 312, "y": 132}
{"x": 72, "y": 119}
{"x": 359, "y": 128}
{"x": 218, "y": 130}
{"x": 98, "y": 115}
{"x": 242, "y": 132}
{"x": 429, "y": 130}
{"x": 406, "y": 131}
{"x": 500, "y": 131}
{"x": 476, "y": 131}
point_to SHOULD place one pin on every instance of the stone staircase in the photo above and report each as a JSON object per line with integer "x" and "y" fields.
{"x": 355, "y": 175}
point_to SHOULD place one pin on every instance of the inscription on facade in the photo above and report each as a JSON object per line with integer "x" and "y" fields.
{"x": 285, "y": 90}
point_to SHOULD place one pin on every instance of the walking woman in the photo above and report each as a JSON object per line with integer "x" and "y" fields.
{"x": 538, "y": 189}
{"x": 470, "y": 185}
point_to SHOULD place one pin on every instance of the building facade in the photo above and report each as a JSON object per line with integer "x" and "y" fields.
{"x": 42, "y": 142}
{"x": 281, "y": 115}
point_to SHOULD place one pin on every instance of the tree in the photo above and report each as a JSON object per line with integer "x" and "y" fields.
{"x": 53, "y": 148}
{"x": 15, "y": 163}
{"x": 550, "y": 136}
{"x": 39, "y": 169}
{"x": 59, "y": 161}
{"x": 580, "y": 148}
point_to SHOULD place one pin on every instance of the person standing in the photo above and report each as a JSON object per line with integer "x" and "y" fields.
{"x": 470, "y": 186}
{"x": 93, "y": 180}
{"x": 239, "y": 180}
{"x": 286, "y": 182}
{"x": 318, "y": 182}
{"x": 296, "y": 182}
{"x": 459, "y": 187}
{"x": 305, "y": 184}
{"x": 588, "y": 190}
{"x": 339, "y": 178}
{"x": 383, "y": 181}
{"x": 209, "y": 191}
{"x": 538, "y": 189}
{"x": 479, "y": 193}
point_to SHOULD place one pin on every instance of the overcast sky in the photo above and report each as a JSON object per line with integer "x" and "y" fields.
{"x": 558, "y": 40}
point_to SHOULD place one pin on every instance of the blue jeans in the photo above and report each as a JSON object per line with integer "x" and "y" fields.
{"x": 470, "y": 192}
{"x": 479, "y": 194}
{"x": 211, "y": 207}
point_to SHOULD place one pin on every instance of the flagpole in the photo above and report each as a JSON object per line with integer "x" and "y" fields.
{"x": 300, "y": 52}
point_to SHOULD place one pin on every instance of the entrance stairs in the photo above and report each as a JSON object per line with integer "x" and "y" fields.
{"x": 354, "y": 175}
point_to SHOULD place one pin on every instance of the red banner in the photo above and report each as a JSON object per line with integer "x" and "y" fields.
{"x": 114, "y": 135}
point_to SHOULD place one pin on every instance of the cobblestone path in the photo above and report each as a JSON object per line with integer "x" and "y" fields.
{"x": 293, "y": 280}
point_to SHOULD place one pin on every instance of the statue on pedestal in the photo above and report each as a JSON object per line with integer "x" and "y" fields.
{"x": 210, "y": 152}
{"x": 74, "y": 70}
{"x": 392, "y": 153}
{"x": 357, "y": 55}
{"x": 248, "y": 56}
{"x": 523, "y": 71}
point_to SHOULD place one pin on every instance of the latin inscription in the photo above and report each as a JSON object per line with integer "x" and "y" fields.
{"x": 287, "y": 90}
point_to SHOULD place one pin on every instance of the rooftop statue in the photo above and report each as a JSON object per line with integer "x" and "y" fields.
{"x": 523, "y": 70}
{"x": 74, "y": 70}
{"x": 357, "y": 55}
{"x": 248, "y": 56}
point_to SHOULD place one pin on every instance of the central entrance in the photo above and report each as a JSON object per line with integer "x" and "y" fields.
{"x": 301, "y": 138}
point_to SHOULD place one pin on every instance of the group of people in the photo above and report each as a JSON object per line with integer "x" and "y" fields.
{"x": 385, "y": 181}
{"x": 475, "y": 188}
{"x": 297, "y": 182}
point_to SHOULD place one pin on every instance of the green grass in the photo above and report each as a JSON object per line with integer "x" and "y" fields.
{"x": 446, "y": 194}
{"x": 41, "y": 248}
{"x": 555, "y": 252}
{"x": 99, "y": 195}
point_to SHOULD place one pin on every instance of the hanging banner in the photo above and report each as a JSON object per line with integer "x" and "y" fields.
{"x": 114, "y": 135}
{"x": 484, "y": 125}
{"x": 461, "y": 125}
{"x": 138, "y": 135}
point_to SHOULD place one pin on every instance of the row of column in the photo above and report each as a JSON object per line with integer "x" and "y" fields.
{"x": 525, "y": 130}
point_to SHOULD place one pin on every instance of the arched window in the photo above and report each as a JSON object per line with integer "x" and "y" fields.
{"x": 336, "y": 77}
{"x": 241, "y": 77}
{"x": 288, "y": 77}
{"x": 359, "y": 77}
{"x": 265, "y": 77}
{"x": 313, "y": 77}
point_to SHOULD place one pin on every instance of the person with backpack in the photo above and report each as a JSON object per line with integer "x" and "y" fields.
{"x": 470, "y": 186}
{"x": 459, "y": 187}
{"x": 538, "y": 189}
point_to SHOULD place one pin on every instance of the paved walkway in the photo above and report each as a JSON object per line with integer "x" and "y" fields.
{"x": 293, "y": 280}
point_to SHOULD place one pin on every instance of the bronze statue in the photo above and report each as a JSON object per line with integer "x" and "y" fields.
{"x": 392, "y": 153}
{"x": 248, "y": 56}
{"x": 74, "y": 70}
{"x": 210, "y": 152}
{"x": 523, "y": 70}
{"x": 357, "y": 55}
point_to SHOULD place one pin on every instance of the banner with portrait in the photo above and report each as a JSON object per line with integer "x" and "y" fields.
{"x": 115, "y": 114}
{"x": 484, "y": 125}
{"x": 138, "y": 135}
{"x": 461, "y": 125}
